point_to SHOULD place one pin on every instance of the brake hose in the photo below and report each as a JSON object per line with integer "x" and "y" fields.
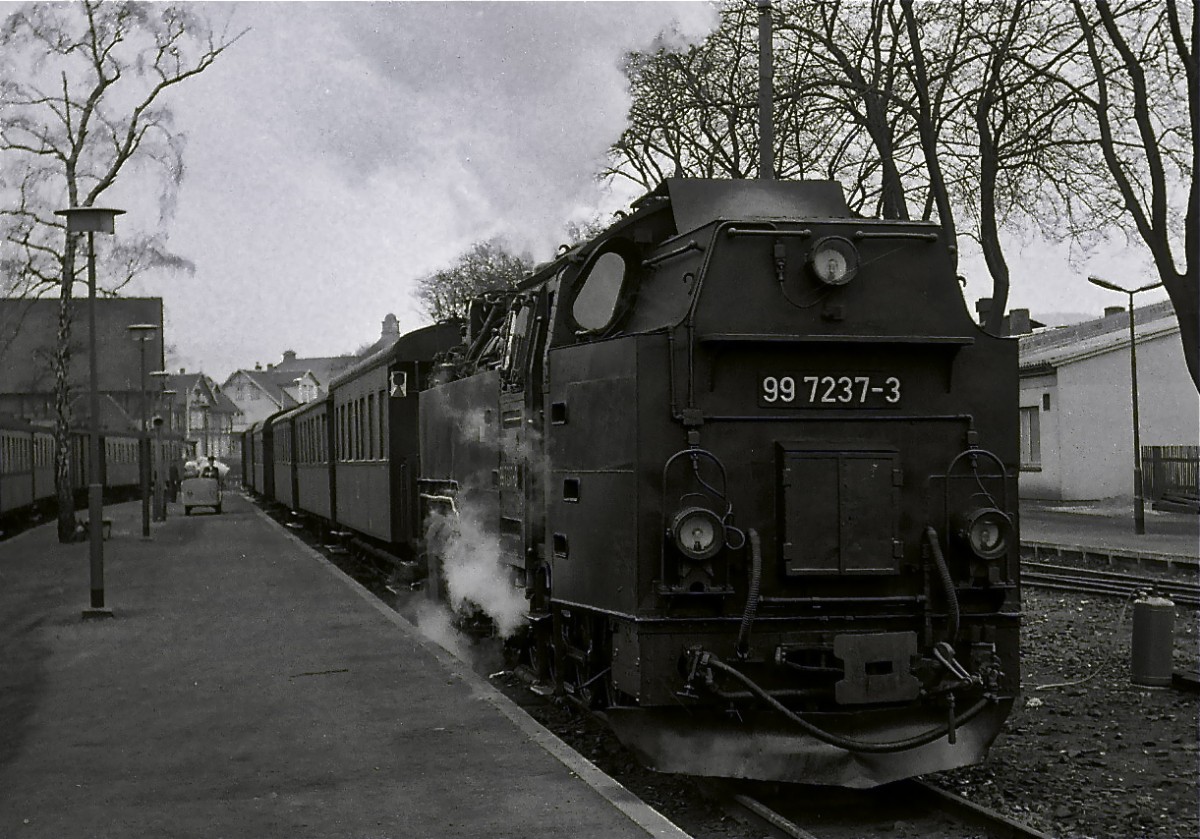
{"x": 850, "y": 745}
{"x": 743, "y": 640}
{"x": 947, "y": 582}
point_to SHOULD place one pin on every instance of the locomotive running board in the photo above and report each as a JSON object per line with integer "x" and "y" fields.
{"x": 769, "y": 748}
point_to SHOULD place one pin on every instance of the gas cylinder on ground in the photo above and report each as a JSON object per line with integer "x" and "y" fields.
{"x": 1153, "y": 641}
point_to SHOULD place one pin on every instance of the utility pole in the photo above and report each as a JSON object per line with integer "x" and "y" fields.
{"x": 766, "y": 75}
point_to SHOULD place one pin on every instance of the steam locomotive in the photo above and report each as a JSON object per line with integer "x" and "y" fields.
{"x": 748, "y": 468}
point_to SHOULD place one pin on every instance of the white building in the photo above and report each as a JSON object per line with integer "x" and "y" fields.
{"x": 1076, "y": 404}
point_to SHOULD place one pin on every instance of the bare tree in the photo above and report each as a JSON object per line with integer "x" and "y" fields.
{"x": 486, "y": 266}
{"x": 1146, "y": 114}
{"x": 82, "y": 103}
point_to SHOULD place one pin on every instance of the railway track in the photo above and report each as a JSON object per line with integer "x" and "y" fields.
{"x": 1113, "y": 583}
{"x": 905, "y": 808}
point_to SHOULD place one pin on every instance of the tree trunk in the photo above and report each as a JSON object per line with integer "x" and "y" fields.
{"x": 62, "y": 402}
{"x": 1183, "y": 291}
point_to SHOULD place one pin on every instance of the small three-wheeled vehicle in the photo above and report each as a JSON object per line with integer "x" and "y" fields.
{"x": 200, "y": 492}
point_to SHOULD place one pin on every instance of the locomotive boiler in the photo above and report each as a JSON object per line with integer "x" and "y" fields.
{"x": 749, "y": 467}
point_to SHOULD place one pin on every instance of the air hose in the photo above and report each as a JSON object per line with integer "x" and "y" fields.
{"x": 947, "y": 582}
{"x": 849, "y": 744}
{"x": 743, "y": 640}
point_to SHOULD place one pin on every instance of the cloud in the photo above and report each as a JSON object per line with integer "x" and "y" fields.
{"x": 340, "y": 151}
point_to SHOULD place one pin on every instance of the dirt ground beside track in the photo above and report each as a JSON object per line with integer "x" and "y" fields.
{"x": 1099, "y": 756}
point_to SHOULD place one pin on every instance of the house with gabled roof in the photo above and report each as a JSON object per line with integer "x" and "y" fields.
{"x": 260, "y": 392}
{"x": 1076, "y": 402}
{"x": 194, "y": 404}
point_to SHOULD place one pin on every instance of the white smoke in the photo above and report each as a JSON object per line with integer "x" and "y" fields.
{"x": 473, "y": 571}
{"x": 436, "y": 624}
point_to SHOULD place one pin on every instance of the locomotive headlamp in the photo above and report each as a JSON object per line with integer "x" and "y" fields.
{"x": 987, "y": 532}
{"x": 698, "y": 533}
{"x": 834, "y": 260}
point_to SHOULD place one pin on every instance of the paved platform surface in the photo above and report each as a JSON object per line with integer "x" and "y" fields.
{"x": 246, "y": 688}
{"x": 1106, "y": 528}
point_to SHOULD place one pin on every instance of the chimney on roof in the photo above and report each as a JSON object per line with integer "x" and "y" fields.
{"x": 289, "y": 355}
{"x": 258, "y": 365}
{"x": 182, "y": 371}
{"x": 983, "y": 306}
{"x": 391, "y": 326}
{"x": 1018, "y": 322}
{"x": 1109, "y": 311}
{"x": 270, "y": 366}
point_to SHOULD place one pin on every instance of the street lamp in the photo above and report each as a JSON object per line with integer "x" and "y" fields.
{"x": 143, "y": 332}
{"x": 93, "y": 220}
{"x": 160, "y": 456}
{"x": 1139, "y": 501}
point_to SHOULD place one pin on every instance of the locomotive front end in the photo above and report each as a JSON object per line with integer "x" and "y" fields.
{"x": 820, "y": 453}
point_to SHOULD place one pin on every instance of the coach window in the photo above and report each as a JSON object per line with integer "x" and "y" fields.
{"x": 371, "y": 435}
{"x": 381, "y": 400}
{"x": 340, "y": 431}
{"x": 360, "y": 443}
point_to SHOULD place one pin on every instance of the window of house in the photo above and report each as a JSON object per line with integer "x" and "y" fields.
{"x": 1031, "y": 438}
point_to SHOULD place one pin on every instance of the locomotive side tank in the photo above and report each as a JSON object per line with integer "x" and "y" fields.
{"x": 754, "y": 467}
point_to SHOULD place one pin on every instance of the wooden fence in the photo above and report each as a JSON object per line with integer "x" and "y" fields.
{"x": 1170, "y": 471}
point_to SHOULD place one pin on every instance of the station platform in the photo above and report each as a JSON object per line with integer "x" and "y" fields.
{"x": 1105, "y": 530}
{"x": 245, "y": 687}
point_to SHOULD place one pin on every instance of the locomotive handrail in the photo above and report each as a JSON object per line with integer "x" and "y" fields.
{"x": 825, "y": 414}
{"x": 896, "y": 234}
{"x": 692, "y": 245}
{"x": 749, "y": 337}
{"x": 773, "y": 232}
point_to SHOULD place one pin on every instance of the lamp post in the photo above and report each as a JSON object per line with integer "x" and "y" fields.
{"x": 160, "y": 454}
{"x": 93, "y": 220}
{"x": 143, "y": 332}
{"x": 1139, "y": 501}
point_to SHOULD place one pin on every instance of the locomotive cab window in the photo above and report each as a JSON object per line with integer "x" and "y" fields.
{"x": 604, "y": 287}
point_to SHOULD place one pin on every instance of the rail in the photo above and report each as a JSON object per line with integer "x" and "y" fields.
{"x": 803, "y": 812}
{"x": 1116, "y": 584}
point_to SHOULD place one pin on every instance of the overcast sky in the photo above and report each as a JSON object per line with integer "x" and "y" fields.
{"x": 340, "y": 151}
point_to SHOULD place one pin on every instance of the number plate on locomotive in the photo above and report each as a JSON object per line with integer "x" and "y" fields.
{"x": 830, "y": 390}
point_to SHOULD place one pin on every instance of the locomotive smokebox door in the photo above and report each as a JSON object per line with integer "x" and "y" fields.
{"x": 839, "y": 511}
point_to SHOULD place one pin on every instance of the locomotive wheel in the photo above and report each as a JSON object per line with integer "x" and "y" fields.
{"x": 590, "y": 688}
{"x": 590, "y": 679}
